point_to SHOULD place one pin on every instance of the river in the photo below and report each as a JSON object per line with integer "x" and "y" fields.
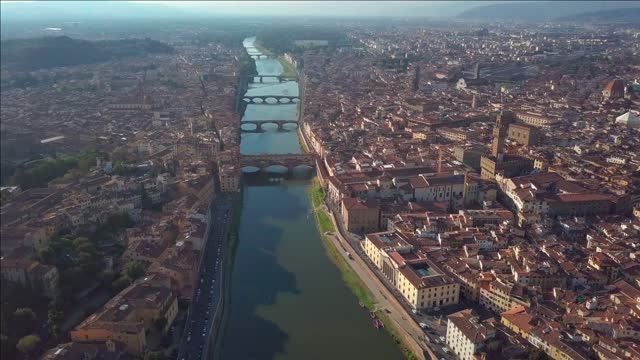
{"x": 287, "y": 299}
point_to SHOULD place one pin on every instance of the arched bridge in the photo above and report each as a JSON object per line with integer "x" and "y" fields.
{"x": 262, "y": 56}
{"x": 262, "y": 99}
{"x": 259, "y": 123}
{"x": 289, "y": 161}
{"x": 280, "y": 78}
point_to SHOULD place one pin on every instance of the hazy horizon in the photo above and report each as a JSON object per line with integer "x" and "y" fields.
{"x": 271, "y": 8}
{"x": 43, "y": 10}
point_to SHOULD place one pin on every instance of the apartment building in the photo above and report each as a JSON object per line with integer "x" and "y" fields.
{"x": 39, "y": 277}
{"x": 229, "y": 178}
{"x": 129, "y": 315}
{"x": 360, "y": 216}
{"x": 420, "y": 281}
{"x": 466, "y": 335}
{"x": 500, "y": 296}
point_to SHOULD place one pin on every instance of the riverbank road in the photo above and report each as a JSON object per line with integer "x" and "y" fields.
{"x": 383, "y": 298}
{"x": 208, "y": 295}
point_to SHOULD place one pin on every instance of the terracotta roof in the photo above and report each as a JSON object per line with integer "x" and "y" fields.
{"x": 357, "y": 204}
{"x": 468, "y": 323}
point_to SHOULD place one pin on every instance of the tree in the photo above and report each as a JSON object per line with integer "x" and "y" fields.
{"x": 54, "y": 316}
{"x": 154, "y": 355}
{"x": 538, "y": 354}
{"x": 28, "y": 344}
{"x": 134, "y": 270}
{"x": 24, "y": 314}
{"x": 25, "y": 320}
{"x": 120, "y": 283}
{"x": 160, "y": 323}
{"x": 83, "y": 165}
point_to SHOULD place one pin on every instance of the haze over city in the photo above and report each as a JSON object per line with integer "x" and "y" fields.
{"x": 320, "y": 180}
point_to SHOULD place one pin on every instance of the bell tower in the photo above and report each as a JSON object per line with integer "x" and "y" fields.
{"x": 499, "y": 133}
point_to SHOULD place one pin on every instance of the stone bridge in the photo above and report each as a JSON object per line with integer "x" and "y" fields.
{"x": 262, "y": 56}
{"x": 261, "y": 78}
{"x": 259, "y": 123}
{"x": 290, "y": 161}
{"x": 262, "y": 99}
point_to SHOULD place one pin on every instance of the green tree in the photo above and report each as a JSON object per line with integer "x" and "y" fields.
{"x": 25, "y": 320}
{"x": 24, "y": 314}
{"x": 83, "y": 165}
{"x": 54, "y": 316}
{"x": 538, "y": 354}
{"x": 28, "y": 344}
{"x": 120, "y": 283}
{"x": 154, "y": 355}
{"x": 134, "y": 270}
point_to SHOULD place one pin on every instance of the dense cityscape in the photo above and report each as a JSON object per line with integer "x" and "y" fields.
{"x": 331, "y": 189}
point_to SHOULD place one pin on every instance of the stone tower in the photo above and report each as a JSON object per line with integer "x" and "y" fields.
{"x": 499, "y": 133}
{"x": 476, "y": 71}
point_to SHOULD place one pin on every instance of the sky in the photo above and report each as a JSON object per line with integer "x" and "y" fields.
{"x": 300, "y": 8}
{"x": 320, "y": 8}
{"x": 157, "y": 9}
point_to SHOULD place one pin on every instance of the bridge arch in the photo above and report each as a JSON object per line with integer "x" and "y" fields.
{"x": 249, "y": 126}
{"x": 276, "y": 168}
{"x": 289, "y": 126}
{"x": 288, "y": 161}
{"x": 250, "y": 170}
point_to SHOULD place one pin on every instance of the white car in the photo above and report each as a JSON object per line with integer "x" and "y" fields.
{"x": 423, "y": 325}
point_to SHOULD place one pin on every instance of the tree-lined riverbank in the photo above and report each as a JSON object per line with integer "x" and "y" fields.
{"x": 353, "y": 281}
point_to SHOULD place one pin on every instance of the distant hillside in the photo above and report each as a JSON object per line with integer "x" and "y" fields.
{"x": 626, "y": 15}
{"x": 49, "y": 52}
{"x": 540, "y": 11}
{"x": 84, "y": 10}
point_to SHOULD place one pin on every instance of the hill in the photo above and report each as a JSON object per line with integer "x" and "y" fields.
{"x": 625, "y": 15}
{"x": 49, "y": 52}
{"x": 539, "y": 11}
{"x": 46, "y": 11}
